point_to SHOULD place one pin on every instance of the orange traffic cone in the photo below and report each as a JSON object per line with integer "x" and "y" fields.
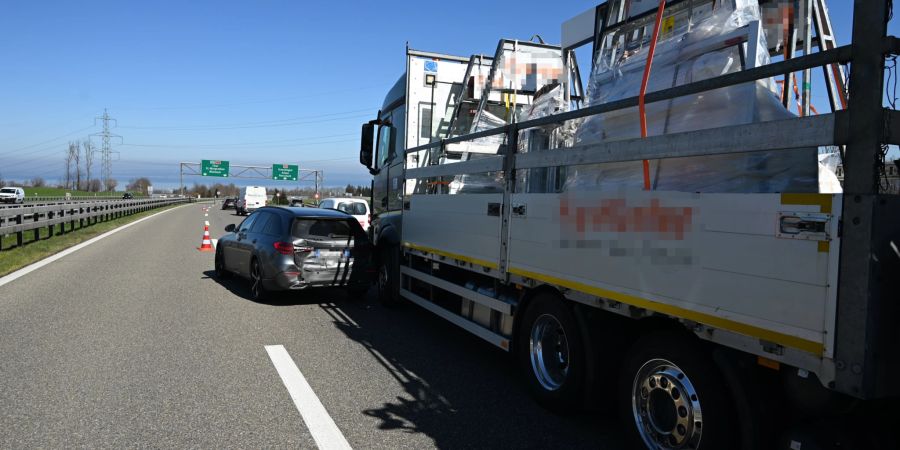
{"x": 206, "y": 245}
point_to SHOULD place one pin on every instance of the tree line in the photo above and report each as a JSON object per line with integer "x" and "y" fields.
{"x": 79, "y": 169}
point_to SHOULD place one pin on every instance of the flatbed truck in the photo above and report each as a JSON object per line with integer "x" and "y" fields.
{"x": 708, "y": 318}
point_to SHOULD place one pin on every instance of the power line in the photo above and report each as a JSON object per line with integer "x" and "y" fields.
{"x": 262, "y": 122}
{"x": 304, "y": 142}
{"x": 252, "y": 102}
{"x": 285, "y": 123}
{"x": 235, "y": 144}
{"x": 47, "y": 141}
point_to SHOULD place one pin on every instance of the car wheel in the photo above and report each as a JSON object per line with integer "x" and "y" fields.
{"x": 257, "y": 290}
{"x": 389, "y": 276}
{"x": 673, "y": 396}
{"x": 220, "y": 264}
{"x": 551, "y": 353}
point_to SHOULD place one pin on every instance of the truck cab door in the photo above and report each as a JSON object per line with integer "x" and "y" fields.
{"x": 380, "y": 178}
{"x": 395, "y": 166}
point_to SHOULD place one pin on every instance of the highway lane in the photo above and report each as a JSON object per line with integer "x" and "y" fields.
{"x": 132, "y": 341}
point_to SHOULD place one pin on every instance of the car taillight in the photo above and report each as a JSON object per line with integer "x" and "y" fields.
{"x": 285, "y": 248}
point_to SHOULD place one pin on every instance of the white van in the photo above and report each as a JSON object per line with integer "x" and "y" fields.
{"x": 12, "y": 195}
{"x": 356, "y": 207}
{"x": 250, "y": 198}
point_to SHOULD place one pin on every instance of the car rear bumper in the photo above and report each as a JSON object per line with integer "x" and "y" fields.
{"x": 296, "y": 279}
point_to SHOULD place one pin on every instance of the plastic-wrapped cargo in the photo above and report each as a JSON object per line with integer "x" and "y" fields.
{"x": 521, "y": 70}
{"x": 692, "y": 55}
{"x": 548, "y": 101}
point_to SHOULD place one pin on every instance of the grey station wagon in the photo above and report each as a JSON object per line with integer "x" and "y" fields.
{"x": 281, "y": 248}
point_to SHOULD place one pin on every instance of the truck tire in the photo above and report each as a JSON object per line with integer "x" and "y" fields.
{"x": 673, "y": 396}
{"x": 389, "y": 276}
{"x": 551, "y": 353}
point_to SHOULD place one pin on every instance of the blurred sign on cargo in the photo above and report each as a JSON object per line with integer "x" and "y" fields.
{"x": 212, "y": 168}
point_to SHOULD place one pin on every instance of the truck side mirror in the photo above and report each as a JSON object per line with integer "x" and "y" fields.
{"x": 365, "y": 145}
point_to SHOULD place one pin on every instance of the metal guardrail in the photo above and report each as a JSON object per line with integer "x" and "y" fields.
{"x": 53, "y": 217}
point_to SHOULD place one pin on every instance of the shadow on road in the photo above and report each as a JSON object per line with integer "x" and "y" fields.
{"x": 458, "y": 391}
{"x": 241, "y": 288}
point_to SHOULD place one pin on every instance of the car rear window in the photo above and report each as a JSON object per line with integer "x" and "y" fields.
{"x": 320, "y": 228}
{"x": 352, "y": 208}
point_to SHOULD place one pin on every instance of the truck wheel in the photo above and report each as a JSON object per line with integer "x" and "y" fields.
{"x": 389, "y": 276}
{"x": 673, "y": 396}
{"x": 551, "y": 353}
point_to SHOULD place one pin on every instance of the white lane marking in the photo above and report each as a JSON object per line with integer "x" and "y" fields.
{"x": 323, "y": 429}
{"x": 215, "y": 242}
{"x": 31, "y": 268}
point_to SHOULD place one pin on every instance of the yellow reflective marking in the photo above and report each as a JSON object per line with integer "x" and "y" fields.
{"x": 823, "y": 200}
{"x": 675, "y": 311}
{"x": 467, "y": 259}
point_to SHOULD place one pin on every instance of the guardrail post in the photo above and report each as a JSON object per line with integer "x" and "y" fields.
{"x": 20, "y": 235}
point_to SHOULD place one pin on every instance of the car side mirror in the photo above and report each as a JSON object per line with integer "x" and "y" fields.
{"x": 230, "y": 228}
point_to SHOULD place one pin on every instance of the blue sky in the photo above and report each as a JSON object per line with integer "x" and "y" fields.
{"x": 253, "y": 82}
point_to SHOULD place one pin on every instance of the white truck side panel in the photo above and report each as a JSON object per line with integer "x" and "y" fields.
{"x": 716, "y": 254}
{"x": 457, "y": 224}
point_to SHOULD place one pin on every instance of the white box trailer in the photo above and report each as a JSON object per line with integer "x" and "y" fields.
{"x": 694, "y": 309}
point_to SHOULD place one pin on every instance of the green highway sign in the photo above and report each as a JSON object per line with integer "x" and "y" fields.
{"x": 284, "y": 172}
{"x": 212, "y": 168}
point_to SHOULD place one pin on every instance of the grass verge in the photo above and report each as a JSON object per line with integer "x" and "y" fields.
{"x": 15, "y": 258}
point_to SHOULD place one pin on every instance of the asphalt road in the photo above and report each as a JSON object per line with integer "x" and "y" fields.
{"x": 133, "y": 342}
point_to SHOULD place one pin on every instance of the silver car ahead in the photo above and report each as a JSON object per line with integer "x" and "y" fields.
{"x": 279, "y": 248}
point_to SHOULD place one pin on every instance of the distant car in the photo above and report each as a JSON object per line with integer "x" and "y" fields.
{"x": 286, "y": 248}
{"x": 296, "y": 201}
{"x": 228, "y": 203}
{"x": 127, "y": 196}
{"x": 251, "y": 198}
{"x": 356, "y": 207}
{"x": 12, "y": 195}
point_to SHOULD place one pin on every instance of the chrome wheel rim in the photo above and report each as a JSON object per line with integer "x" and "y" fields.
{"x": 255, "y": 281}
{"x": 666, "y": 407}
{"x": 549, "y": 352}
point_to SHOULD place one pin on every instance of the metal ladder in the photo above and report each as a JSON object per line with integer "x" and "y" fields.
{"x": 835, "y": 78}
